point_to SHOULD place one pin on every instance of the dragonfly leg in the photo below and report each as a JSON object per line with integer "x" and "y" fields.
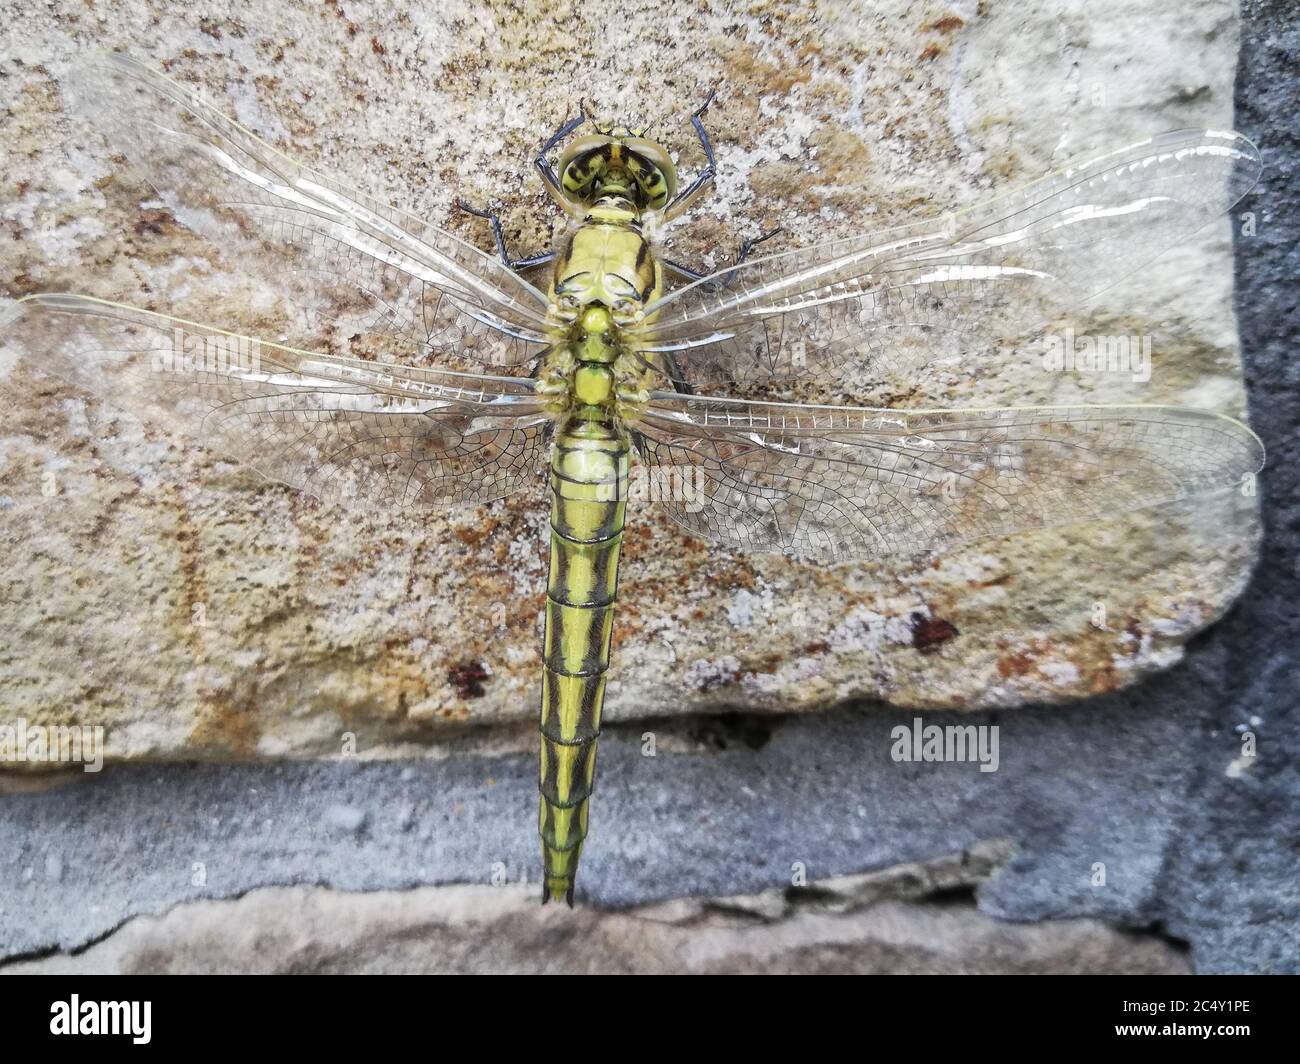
{"x": 515, "y": 264}
{"x": 666, "y": 365}
{"x": 682, "y": 271}
{"x": 533, "y": 260}
{"x": 686, "y": 199}
{"x": 726, "y": 279}
{"x": 753, "y": 242}
{"x": 549, "y": 178}
{"x": 675, "y": 375}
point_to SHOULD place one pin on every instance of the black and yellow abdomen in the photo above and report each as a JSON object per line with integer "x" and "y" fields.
{"x": 589, "y": 467}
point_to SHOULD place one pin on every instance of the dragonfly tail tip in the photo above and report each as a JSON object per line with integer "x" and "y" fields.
{"x": 557, "y": 889}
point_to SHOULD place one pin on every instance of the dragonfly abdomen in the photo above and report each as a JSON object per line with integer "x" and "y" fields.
{"x": 589, "y": 467}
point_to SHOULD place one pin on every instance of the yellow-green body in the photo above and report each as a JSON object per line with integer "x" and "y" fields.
{"x": 603, "y": 277}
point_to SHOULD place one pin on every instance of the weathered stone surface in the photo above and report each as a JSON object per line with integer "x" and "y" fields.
{"x": 828, "y": 123}
{"x": 879, "y": 923}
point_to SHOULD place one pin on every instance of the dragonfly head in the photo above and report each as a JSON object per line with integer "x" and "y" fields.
{"x": 617, "y": 162}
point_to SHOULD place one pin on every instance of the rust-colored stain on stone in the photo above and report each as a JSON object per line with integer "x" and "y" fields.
{"x": 468, "y": 678}
{"x": 225, "y": 726}
{"x": 1016, "y": 664}
{"x": 930, "y": 633}
{"x": 154, "y": 221}
{"x": 947, "y": 24}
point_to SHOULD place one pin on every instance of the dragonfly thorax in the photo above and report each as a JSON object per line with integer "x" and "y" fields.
{"x": 607, "y": 261}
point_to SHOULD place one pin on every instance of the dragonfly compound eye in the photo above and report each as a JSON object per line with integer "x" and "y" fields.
{"x": 652, "y": 168}
{"x": 637, "y": 168}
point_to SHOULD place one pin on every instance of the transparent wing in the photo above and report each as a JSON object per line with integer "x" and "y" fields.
{"x": 838, "y": 483}
{"x": 345, "y": 256}
{"x": 890, "y": 300}
{"x": 340, "y": 429}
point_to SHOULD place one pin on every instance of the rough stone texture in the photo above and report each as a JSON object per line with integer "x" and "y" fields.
{"x": 1231, "y": 885}
{"x": 728, "y": 806}
{"x": 828, "y": 120}
{"x": 883, "y": 923}
{"x": 1200, "y": 845}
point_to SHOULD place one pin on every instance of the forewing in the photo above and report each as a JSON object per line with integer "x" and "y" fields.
{"x": 340, "y": 429}
{"x": 837, "y": 483}
{"x": 342, "y": 255}
{"x": 895, "y": 301}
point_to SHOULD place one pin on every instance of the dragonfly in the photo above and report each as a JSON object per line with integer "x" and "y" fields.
{"x": 477, "y": 379}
